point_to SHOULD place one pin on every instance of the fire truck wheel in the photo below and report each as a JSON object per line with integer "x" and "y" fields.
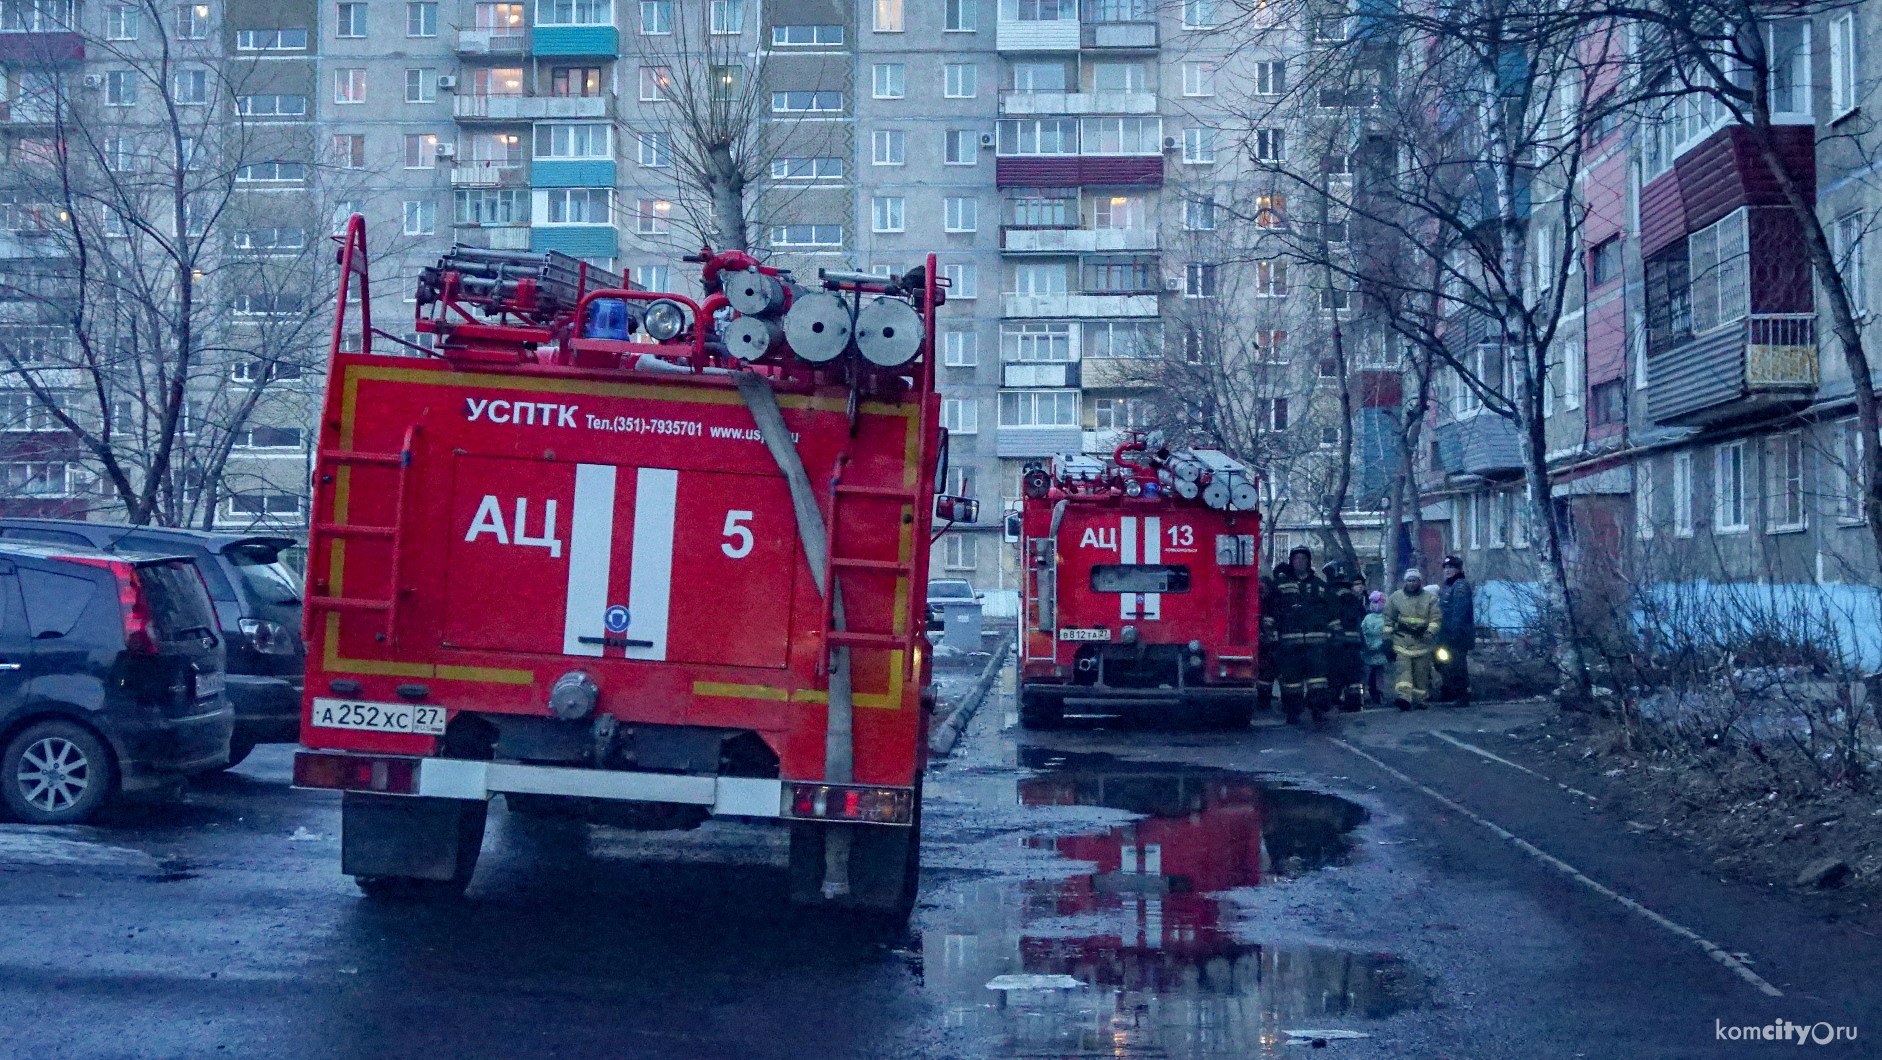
{"x": 401, "y": 848}
{"x": 1039, "y": 712}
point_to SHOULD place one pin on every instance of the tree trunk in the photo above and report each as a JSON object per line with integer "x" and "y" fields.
{"x": 727, "y": 188}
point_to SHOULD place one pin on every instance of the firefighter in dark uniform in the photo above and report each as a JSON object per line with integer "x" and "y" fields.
{"x": 1303, "y": 614}
{"x": 1268, "y": 653}
{"x": 1346, "y": 674}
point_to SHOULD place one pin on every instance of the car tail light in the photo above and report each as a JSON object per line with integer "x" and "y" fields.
{"x": 846, "y": 802}
{"x": 343, "y": 772}
{"x": 140, "y": 634}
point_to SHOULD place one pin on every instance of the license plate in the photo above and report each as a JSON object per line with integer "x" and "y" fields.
{"x": 378, "y": 717}
{"x": 1084, "y": 634}
{"x": 209, "y": 685}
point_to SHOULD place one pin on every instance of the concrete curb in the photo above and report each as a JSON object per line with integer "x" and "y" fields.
{"x": 945, "y": 735}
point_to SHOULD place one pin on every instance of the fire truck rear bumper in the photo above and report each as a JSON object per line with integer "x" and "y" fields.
{"x": 450, "y": 778}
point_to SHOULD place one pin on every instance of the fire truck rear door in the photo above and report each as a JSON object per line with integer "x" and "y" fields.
{"x": 608, "y": 561}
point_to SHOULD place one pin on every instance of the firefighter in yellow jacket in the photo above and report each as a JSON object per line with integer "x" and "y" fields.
{"x": 1413, "y": 618}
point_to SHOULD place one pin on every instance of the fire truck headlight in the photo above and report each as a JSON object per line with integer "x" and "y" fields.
{"x": 1128, "y": 635}
{"x": 1133, "y": 488}
{"x": 665, "y": 320}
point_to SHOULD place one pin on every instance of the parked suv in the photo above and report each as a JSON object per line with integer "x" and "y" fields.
{"x": 258, "y": 612}
{"x": 111, "y": 678}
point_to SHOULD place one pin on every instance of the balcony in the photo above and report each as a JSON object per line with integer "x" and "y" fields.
{"x": 581, "y": 241}
{"x": 44, "y": 46}
{"x": 602, "y": 42}
{"x": 1056, "y": 35}
{"x": 1759, "y": 365}
{"x": 1071, "y": 171}
{"x": 1058, "y": 374}
{"x": 1018, "y": 103}
{"x": 1100, "y": 36}
{"x": 27, "y": 112}
{"x": 491, "y": 42}
{"x": 471, "y": 108}
{"x": 1019, "y": 240}
{"x": 1484, "y": 444}
{"x": 571, "y": 173}
{"x": 488, "y": 175}
{"x": 1099, "y": 306}
{"x": 1037, "y": 441}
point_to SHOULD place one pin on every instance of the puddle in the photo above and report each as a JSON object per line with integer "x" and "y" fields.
{"x": 1134, "y": 959}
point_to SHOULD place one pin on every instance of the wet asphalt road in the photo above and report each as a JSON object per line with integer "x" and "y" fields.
{"x": 1143, "y": 894}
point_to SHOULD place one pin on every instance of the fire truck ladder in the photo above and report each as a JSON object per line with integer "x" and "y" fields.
{"x": 332, "y": 463}
{"x": 837, "y": 563}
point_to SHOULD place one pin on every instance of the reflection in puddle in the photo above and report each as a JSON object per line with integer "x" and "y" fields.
{"x": 1134, "y": 959}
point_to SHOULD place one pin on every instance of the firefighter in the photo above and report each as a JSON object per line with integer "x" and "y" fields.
{"x": 1302, "y": 617}
{"x": 1346, "y": 673}
{"x": 1268, "y": 659}
{"x": 1413, "y": 617}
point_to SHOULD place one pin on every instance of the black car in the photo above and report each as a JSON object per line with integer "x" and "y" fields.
{"x": 111, "y": 678}
{"x": 258, "y": 611}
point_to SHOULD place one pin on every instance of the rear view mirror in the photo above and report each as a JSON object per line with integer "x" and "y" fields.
{"x": 956, "y": 509}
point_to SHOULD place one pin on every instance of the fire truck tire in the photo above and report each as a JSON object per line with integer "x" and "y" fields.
{"x": 1040, "y": 712}
{"x": 885, "y": 868}
{"x": 402, "y": 848}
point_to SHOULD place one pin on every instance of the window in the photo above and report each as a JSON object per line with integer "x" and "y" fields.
{"x": 349, "y": 150}
{"x": 1270, "y": 279}
{"x": 1039, "y": 136}
{"x": 1039, "y": 77}
{"x": 1121, "y": 136}
{"x": 958, "y": 551}
{"x": 888, "y": 16}
{"x": 886, "y": 212}
{"x": 1604, "y": 261}
{"x": 652, "y": 216}
{"x": 268, "y": 437}
{"x": 1643, "y": 500}
{"x": 36, "y": 480}
{"x": 120, "y": 153}
{"x": 960, "y": 482}
{"x": 1038, "y": 408}
{"x": 192, "y": 22}
{"x": 654, "y": 83}
{"x": 807, "y": 102}
{"x": 349, "y": 85}
{"x": 351, "y": 21}
{"x": 1270, "y": 145}
{"x": 1198, "y": 79}
{"x": 1039, "y": 279}
{"x": 1784, "y": 482}
{"x": 1270, "y": 211}
{"x": 266, "y": 303}
{"x": 266, "y": 502}
{"x": 727, "y": 17}
{"x": 961, "y": 147}
{"x": 890, "y": 80}
{"x": 960, "y": 80}
{"x": 122, "y": 23}
{"x": 960, "y": 415}
{"x": 1036, "y": 343}
{"x": 580, "y": 206}
{"x": 1198, "y": 281}
{"x": 21, "y": 411}
{"x": 1199, "y": 214}
{"x": 963, "y": 281}
{"x": 1271, "y": 347}
{"x": 567, "y": 81}
{"x": 421, "y": 151}
{"x": 271, "y": 106}
{"x": 1198, "y": 14}
{"x": 655, "y": 150}
{"x": 504, "y": 149}
{"x": 963, "y": 214}
{"x": 1842, "y": 65}
{"x": 421, "y": 217}
{"x": 887, "y": 147}
{"x": 1271, "y": 78}
{"x": 491, "y": 207}
{"x": 1199, "y": 146}
{"x": 120, "y": 88}
{"x": 191, "y": 87}
{"x": 1728, "y": 489}
{"x": 807, "y": 235}
{"x": 1846, "y": 237}
{"x": 960, "y": 349}
{"x": 1334, "y": 299}
{"x": 421, "y": 85}
{"x": 1120, "y": 77}
{"x": 1122, "y": 413}
{"x": 572, "y": 141}
{"x": 1787, "y": 45}
{"x": 1682, "y": 494}
{"x": 806, "y": 169}
{"x": 271, "y": 171}
{"x": 268, "y": 40}
{"x": 1845, "y": 472}
{"x": 1270, "y": 414}
{"x": 421, "y": 19}
{"x": 656, "y": 17}
{"x": 1608, "y": 402}
{"x": 572, "y": 13}
{"x": 804, "y": 36}
{"x": 959, "y": 16}
{"x": 1718, "y": 259}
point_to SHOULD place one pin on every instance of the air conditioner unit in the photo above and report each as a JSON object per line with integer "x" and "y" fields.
{"x": 1170, "y": 143}
{"x": 447, "y": 150}
{"x": 986, "y": 140}
{"x": 447, "y": 82}
{"x": 1172, "y": 283}
{"x": 94, "y": 80}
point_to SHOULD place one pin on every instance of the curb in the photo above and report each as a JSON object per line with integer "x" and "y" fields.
{"x": 945, "y": 735}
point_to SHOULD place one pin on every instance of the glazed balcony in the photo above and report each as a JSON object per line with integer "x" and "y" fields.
{"x": 1020, "y": 239}
{"x": 472, "y": 109}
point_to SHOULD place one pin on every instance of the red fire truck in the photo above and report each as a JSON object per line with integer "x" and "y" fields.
{"x": 1141, "y": 591}
{"x": 608, "y": 551}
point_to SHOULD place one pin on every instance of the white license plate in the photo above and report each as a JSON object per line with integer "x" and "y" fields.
{"x": 1084, "y": 634}
{"x": 209, "y": 685}
{"x": 378, "y": 717}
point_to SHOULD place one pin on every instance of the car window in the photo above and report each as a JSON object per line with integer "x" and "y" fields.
{"x": 178, "y": 605}
{"x": 54, "y": 602}
{"x": 1139, "y": 578}
{"x": 219, "y": 587}
{"x": 261, "y": 570}
{"x": 51, "y": 537}
{"x": 950, "y": 591}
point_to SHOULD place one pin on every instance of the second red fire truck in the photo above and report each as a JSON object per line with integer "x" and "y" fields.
{"x": 1141, "y": 588}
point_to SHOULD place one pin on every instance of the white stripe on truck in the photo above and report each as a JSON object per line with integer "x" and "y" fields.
{"x": 1127, "y": 556}
{"x": 591, "y": 548}
{"x": 452, "y": 778}
{"x": 1153, "y": 554}
{"x": 650, "y": 574}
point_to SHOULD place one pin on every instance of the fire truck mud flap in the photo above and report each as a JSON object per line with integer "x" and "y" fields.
{"x": 400, "y": 846}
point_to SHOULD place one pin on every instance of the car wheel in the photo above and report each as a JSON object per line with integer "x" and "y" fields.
{"x": 238, "y": 750}
{"x": 55, "y": 772}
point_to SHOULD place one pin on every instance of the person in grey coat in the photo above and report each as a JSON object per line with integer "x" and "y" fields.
{"x": 1457, "y": 634}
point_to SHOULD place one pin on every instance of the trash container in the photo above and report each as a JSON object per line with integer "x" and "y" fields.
{"x": 962, "y": 630}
